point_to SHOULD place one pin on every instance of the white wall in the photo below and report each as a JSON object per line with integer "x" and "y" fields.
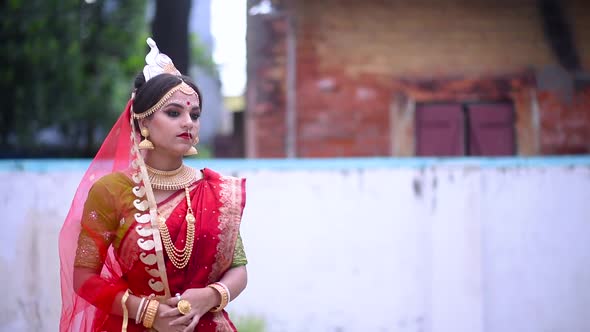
{"x": 358, "y": 245}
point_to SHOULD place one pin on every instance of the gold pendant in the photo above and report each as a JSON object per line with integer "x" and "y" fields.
{"x": 190, "y": 218}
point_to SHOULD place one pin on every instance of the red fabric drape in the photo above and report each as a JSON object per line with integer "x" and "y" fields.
{"x": 114, "y": 155}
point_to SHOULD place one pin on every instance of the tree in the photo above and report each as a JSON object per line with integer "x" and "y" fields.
{"x": 170, "y": 30}
{"x": 67, "y": 65}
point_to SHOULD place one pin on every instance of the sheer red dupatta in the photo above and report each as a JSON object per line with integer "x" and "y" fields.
{"x": 77, "y": 314}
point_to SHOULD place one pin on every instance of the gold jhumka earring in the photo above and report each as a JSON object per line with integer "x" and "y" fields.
{"x": 145, "y": 144}
{"x": 192, "y": 151}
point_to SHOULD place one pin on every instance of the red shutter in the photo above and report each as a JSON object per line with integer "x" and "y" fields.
{"x": 491, "y": 130}
{"x": 439, "y": 130}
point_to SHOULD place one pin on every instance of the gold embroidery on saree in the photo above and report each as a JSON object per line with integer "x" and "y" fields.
{"x": 142, "y": 218}
{"x": 147, "y": 259}
{"x": 157, "y": 286}
{"x": 164, "y": 210}
{"x": 141, "y": 205}
{"x": 143, "y": 231}
{"x": 136, "y": 178}
{"x": 139, "y": 191}
{"x": 221, "y": 324}
{"x": 87, "y": 254}
{"x": 153, "y": 272}
{"x": 229, "y": 221}
{"x": 146, "y": 245}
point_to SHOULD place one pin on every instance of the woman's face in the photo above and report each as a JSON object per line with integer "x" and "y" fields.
{"x": 175, "y": 127}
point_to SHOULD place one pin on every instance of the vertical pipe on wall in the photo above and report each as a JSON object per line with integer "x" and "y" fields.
{"x": 291, "y": 85}
{"x": 536, "y": 122}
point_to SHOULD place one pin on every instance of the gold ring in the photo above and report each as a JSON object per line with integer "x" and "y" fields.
{"x": 184, "y": 307}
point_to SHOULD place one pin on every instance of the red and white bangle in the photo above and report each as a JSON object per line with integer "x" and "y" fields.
{"x": 139, "y": 310}
{"x": 224, "y": 296}
{"x": 226, "y": 289}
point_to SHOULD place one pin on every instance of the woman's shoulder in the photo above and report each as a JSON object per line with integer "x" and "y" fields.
{"x": 210, "y": 174}
{"x": 114, "y": 182}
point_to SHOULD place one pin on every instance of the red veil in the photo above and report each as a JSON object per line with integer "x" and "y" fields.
{"x": 115, "y": 154}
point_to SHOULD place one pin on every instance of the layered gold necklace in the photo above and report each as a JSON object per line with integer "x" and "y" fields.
{"x": 175, "y": 180}
{"x": 180, "y": 257}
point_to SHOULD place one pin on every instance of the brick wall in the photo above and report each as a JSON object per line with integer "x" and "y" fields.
{"x": 265, "y": 117}
{"x": 351, "y": 55}
{"x": 565, "y": 125}
{"x": 425, "y": 38}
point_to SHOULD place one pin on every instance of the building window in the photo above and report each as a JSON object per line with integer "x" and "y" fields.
{"x": 469, "y": 129}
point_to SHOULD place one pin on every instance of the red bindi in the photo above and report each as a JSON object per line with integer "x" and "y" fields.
{"x": 188, "y": 103}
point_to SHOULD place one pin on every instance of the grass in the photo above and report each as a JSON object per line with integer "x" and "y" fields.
{"x": 250, "y": 324}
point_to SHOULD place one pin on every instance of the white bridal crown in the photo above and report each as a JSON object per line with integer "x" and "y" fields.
{"x": 157, "y": 63}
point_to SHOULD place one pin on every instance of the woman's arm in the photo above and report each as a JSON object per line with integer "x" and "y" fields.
{"x": 88, "y": 278}
{"x": 236, "y": 280}
{"x": 98, "y": 226}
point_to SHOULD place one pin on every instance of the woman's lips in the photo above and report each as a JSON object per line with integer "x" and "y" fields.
{"x": 185, "y": 136}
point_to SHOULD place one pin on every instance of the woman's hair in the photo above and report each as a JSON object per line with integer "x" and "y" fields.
{"x": 147, "y": 94}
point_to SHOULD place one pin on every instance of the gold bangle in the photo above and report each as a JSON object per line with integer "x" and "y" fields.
{"x": 224, "y": 297}
{"x": 125, "y": 311}
{"x": 150, "y": 314}
{"x": 144, "y": 309}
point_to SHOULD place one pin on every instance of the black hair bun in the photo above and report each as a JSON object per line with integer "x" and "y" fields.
{"x": 139, "y": 80}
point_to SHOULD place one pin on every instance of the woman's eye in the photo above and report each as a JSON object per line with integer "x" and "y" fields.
{"x": 173, "y": 113}
{"x": 195, "y": 116}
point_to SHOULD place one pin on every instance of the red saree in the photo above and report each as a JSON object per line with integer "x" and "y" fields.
{"x": 110, "y": 240}
{"x": 143, "y": 266}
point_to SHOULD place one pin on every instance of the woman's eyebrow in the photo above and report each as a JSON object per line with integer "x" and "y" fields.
{"x": 181, "y": 106}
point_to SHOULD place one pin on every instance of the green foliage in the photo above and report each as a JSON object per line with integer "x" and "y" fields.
{"x": 68, "y": 65}
{"x": 250, "y": 324}
{"x": 201, "y": 56}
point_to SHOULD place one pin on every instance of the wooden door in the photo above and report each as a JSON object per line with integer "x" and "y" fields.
{"x": 440, "y": 130}
{"x": 491, "y": 130}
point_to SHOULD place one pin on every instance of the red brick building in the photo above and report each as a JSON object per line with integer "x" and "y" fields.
{"x": 427, "y": 77}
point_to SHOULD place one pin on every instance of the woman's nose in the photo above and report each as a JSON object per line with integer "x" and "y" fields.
{"x": 187, "y": 121}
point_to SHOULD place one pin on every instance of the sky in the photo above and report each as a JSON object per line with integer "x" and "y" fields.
{"x": 228, "y": 26}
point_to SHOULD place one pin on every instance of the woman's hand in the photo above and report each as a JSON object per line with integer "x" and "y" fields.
{"x": 164, "y": 317}
{"x": 201, "y": 300}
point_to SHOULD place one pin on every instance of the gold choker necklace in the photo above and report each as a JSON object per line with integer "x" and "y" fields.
{"x": 176, "y": 179}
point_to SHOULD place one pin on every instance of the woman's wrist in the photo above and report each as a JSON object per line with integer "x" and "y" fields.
{"x": 223, "y": 292}
{"x": 214, "y": 297}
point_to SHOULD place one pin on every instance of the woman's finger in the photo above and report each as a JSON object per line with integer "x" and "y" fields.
{"x": 173, "y": 301}
{"x": 191, "y": 327}
{"x": 183, "y": 320}
{"x": 170, "y": 312}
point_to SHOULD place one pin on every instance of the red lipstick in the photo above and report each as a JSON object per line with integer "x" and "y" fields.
{"x": 185, "y": 136}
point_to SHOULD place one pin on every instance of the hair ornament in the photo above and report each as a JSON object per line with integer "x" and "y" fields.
{"x": 157, "y": 63}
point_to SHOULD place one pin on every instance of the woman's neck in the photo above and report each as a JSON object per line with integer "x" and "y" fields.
{"x": 162, "y": 162}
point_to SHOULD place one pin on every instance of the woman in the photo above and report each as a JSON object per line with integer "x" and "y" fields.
{"x": 149, "y": 243}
